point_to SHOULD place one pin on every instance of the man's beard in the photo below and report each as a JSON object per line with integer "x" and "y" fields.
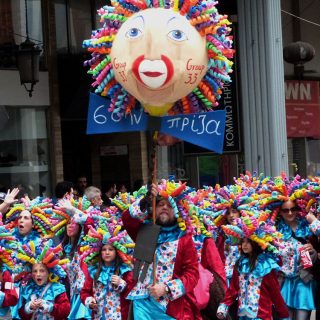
{"x": 167, "y": 223}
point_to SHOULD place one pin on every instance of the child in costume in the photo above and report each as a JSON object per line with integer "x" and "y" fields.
{"x": 44, "y": 297}
{"x": 227, "y": 205}
{"x": 108, "y": 272}
{"x": 254, "y": 280}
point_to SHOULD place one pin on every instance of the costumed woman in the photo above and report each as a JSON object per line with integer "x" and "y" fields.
{"x": 196, "y": 210}
{"x": 225, "y": 208}
{"x": 75, "y": 220}
{"x": 108, "y": 276}
{"x": 289, "y": 199}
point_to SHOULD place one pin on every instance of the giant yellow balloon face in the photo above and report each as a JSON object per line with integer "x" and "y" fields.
{"x": 159, "y": 58}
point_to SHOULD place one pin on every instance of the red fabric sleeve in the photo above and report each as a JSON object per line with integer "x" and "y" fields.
{"x": 272, "y": 284}
{"x": 61, "y": 307}
{"x": 127, "y": 277}
{"x": 220, "y": 245}
{"x": 190, "y": 271}
{"x": 87, "y": 289}
{"x": 132, "y": 225}
{"x": 211, "y": 260}
{"x": 233, "y": 290}
{"x": 23, "y": 315}
{"x": 11, "y": 297}
{"x": 125, "y": 304}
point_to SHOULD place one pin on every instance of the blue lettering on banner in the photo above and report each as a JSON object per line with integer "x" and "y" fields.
{"x": 203, "y": 129}
{"x": 100, "y": 120}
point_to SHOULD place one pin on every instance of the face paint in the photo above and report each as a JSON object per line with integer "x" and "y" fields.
{"x": 159, "y": 57}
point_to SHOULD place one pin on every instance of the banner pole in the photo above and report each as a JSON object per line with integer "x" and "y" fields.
{"x": 154, "y": 199}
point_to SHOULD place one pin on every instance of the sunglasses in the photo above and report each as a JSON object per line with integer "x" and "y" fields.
{"x": 293, "y": 210}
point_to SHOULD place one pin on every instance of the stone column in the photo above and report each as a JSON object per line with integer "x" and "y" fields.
{"x": 262, "y": 86}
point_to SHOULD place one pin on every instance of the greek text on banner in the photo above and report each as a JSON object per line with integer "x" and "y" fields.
{"x": 203, "y": 129}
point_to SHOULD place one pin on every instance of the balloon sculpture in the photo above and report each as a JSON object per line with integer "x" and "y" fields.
{"x": 169, "y": 55}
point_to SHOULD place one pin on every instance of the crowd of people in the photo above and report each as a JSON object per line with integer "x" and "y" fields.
{"x": 249, "y": 250}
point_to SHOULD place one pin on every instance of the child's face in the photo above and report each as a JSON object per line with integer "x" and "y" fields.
{"x": 40, "y": 274}
{"x": 72, "y": 229}
{"x": 25, "y": 222}
{"x": 108, "y": 253}
{"x": 246, "y": 246}
{"x": 232, "y": 215}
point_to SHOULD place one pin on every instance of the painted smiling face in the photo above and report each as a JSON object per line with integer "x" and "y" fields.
{"x": 158, "y": 57}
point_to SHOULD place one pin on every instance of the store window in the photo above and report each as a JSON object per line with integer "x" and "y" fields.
{"x": 13, "y": 28}
{"x": 73, "y": 24}
{"x": 24, "y": 153}
{"x": 75, "y": 19}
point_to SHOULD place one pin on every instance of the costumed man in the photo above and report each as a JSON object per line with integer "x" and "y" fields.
{"x": 176, "y": 270}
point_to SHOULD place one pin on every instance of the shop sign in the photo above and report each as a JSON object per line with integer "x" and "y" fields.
{"x": 302, "y": 108}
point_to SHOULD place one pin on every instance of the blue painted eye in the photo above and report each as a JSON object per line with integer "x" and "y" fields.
{"x": 133, "y": 33}
{"x": 177, "y": 35}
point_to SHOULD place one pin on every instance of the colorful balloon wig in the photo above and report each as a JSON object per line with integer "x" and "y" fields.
{"x": 275, "y": 192}
{"x": 7, "y": 246}
{"x": 48, "y": 255}
{"x": 108, "y": 232}
{"x": 231, "y": 197}
{"x": 198, "y": 206}
{"x": 40, "y": 210}
{"x": 256, "y": 226}
{"x": 60, "y": 217}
